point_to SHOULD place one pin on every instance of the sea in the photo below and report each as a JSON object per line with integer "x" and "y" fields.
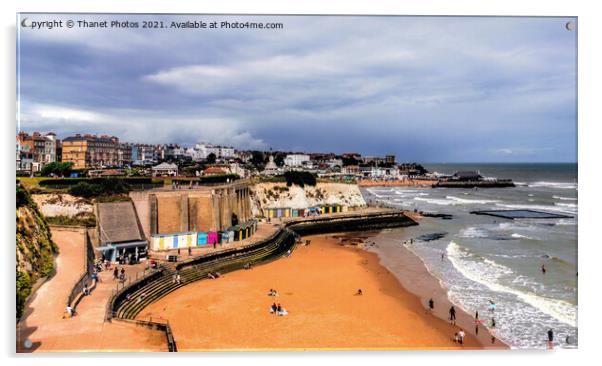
{"x": 479, "y": 259}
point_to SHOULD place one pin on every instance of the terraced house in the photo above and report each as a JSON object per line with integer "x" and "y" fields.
{"x": 91, "y": 151}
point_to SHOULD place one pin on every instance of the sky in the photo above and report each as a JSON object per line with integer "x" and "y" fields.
{"x": 426, "y": 89}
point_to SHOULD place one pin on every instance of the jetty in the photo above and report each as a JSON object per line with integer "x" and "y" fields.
{"x": 521, "y": 214}
{"x": 471, "y": 179}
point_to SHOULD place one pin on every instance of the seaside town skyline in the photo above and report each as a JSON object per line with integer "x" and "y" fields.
{"x": 439, "y": 95}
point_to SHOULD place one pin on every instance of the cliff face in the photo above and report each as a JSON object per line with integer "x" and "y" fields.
{"x": 35, "y": 249}
{"x": 278, "y": 195}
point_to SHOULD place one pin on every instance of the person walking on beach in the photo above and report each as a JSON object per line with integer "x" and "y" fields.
{"x": 452, "y": 315}
{"x": 115, "y": 273}
{"x": 550, "y": 338}
{"x": 492, "y": 322}
{"x": 543, "y": 269}
{"x": 492, "y": 306}
{"x": 461, "y": 335}
{"x": 190, "y": 251}
{"x": 431, "y": 305}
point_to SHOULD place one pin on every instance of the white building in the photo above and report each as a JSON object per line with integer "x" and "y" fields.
{"x": 49, "y": 148}
{"x": 295, "y": 160}
{"x": 165, "y": 169}
{"x": 202, "y": 151}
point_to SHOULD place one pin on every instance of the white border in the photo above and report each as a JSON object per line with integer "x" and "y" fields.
{"x": 589, "y": 24}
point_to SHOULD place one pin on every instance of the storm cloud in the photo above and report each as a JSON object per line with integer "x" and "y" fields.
{"x": 430, "y": 89}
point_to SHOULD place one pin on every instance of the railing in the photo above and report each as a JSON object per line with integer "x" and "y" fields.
{"x": 171, "y": 342}
{"x": 84, "y": 280}
{"x": 119, "y": 295}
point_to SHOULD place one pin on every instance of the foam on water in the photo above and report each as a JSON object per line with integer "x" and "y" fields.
{"x": 557, "y": 185}
{"x": 562, "y": 198}
{"x": 536, "y": 207}
{"x": 473, "y": 232}
{"x": 488, "y": 273}
{"x": 468, "y": 201}
{"x": 520, "y": 236}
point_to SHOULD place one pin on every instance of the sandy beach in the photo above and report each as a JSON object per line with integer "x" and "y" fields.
{"x": 317, "y": 286}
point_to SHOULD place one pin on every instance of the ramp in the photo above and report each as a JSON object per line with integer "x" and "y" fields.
{"x": 118, "y": 223}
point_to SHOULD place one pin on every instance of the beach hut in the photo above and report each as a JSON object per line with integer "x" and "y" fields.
{"x": 225, "y": 237}
{"x": 345, "y": 209}
{"x": 294, "y": 213}
{"x": 230, "y": 236}
{"x": 162, "y": 242}
{"x": 212, "y": 237}
{"x": 201, "y": 239}
{"x": 271, "y": 213}
{"x": 287, "y": 212}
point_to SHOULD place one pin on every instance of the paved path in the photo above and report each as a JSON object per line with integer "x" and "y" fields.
{"x": 47, "y": 330}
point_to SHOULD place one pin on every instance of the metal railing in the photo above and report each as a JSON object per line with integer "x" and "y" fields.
{"x": 84, "y": 279}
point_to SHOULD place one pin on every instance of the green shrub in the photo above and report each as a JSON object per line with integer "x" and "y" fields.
{"x": 299, "y": 178}
{"x": 23, "y": 291}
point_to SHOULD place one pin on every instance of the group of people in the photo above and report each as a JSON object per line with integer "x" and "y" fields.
{"x": 459, "y": 336}
{"x": 213, "y": 275}
{"x": 176, "y": 278}
{"x": 119, "y": 274}
{"x": 278, "y": 310}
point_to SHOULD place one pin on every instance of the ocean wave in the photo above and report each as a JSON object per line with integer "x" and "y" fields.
{"x": 570, "y": 205}
{"x": 473, "y": 232}
{"x": 562, "y": 198}
{"x": 563, "y": 222}
{"x": 488, "y": 273}
{"x": 435, "y": 201}
{"x": 535, "y": 207}
{"x": 520, "y": 236}
{"x": 467, "y": 201}
{"x": 558, "y": 185}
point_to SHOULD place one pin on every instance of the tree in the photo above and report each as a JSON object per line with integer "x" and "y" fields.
{"x": 257, "y": 158}
{"x": 57, "y": 168}
{"x": 211, "y": 158}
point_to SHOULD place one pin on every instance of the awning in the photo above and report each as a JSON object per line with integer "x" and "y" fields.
{"x": 131, "y": 244}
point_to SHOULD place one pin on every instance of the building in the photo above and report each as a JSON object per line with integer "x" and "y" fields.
{"x": 271, "y": 168}
{"x": 202, "y": 151}
{"x": 90, "y": 151}
{"x": 296, "y": 160}
{"x": 165, "y": 170}
{"x": 39, "y": 149}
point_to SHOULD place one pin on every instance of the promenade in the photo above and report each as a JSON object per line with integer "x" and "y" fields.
{"x": 43, "y": 328}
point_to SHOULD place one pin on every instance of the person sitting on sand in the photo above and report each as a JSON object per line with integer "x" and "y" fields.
{"x": 282, "y": 312}
{"x": 359, "y": 292}
{"x": 210, "y": 275}
{"x": 461, "y": 335}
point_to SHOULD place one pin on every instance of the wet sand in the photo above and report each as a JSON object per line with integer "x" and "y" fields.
{"x": 415, "y": 277}
{"x": 317, "y": 286}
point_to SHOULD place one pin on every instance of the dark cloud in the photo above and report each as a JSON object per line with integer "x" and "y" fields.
{"x": 425, "y": 88}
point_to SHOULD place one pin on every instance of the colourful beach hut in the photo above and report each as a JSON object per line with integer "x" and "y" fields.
{"x": 201, "y": 239}
{"x": 212, "y": 237}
